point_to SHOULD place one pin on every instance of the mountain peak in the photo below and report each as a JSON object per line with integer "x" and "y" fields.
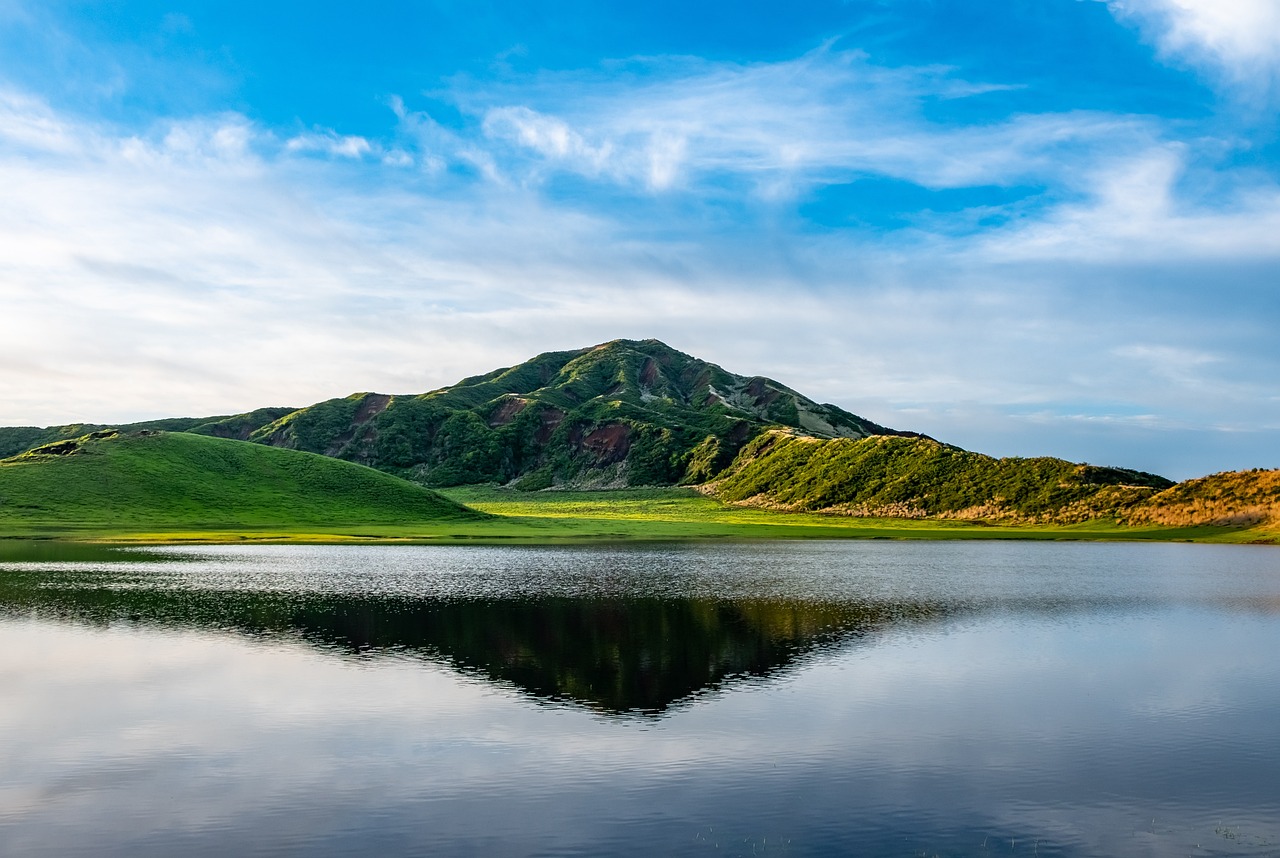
{"x": 621, "y": 412}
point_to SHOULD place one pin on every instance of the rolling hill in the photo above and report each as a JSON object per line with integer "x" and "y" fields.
{"x": 922, "y": 478}
{"x": 1229, "y": 499}
{"x": 19, "y": 439}
{"x": 170, "y": 479}
{"x": 621, "y": 414}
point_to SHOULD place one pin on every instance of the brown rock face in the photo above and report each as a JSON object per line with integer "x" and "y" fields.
{"x": 507, "y": 410}
{"x": 551, "y": 420}
{"x": 761, "y": 393}
{"x": 649, "y": 373}
{"x": 608, "y": 444}
{"x": 373, "y": 405}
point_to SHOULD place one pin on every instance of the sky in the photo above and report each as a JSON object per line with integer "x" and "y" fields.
{"x": 1025, "y": 227}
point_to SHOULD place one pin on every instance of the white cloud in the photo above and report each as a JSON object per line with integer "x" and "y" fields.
{"x": 1236, "y": 38}
{"x": 826, "y": 117}
{"x": 331, "y": 143}
{"x": 205, "y": 266}
{"x": 1132, "y": 213}
{"x": 545, "y": 135}
{"x": 27, "y": 123}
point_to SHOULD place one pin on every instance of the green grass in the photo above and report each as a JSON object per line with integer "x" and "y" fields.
{"x": 684, "y": 513}
{"x": 885, "y": 475}
{"x": 178, "y": 482}
{"x": 173, "y": 488}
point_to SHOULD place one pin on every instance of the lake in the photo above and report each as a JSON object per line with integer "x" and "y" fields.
{"x": 774, "y": 698}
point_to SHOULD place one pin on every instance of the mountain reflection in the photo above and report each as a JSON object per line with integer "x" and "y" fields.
{"x": 613, "y": 655}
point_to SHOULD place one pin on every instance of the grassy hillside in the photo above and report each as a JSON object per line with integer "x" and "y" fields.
{"x": 159, "y": 480}
{"x": 19, "y": 439}
{"x": 624, "y": 413}
{"x": 1234, "y": 498}
{"x": 919, "y": 477}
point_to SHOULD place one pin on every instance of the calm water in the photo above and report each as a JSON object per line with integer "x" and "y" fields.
{"x": 863, "y": 698}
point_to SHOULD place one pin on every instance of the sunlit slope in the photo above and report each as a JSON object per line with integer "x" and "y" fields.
{"x": 919, "y": 477}
{"x": 161, "y": 479}
{"x": 1233, "y": 498}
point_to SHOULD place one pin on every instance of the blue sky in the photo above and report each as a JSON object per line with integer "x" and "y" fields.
{"x": 1047, "y": 227}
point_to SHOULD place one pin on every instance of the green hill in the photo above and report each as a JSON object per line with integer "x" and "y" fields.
{"x": 920, "y": 478}
{"x": 19, "y": 439}
{"x": 150, "y": 479}
{"x": 622, "y": 413}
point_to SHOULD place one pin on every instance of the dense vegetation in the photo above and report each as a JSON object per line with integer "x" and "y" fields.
{"x": 623, "y": 413}
{"x": 164, "y": 480}
{"x": 919, "y": 477}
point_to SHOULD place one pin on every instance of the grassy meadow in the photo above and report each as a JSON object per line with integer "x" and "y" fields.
{"x": 673, "y": 513}
{"x": 174, "y": 487}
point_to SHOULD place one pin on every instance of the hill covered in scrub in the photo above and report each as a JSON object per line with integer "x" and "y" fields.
{"x": 1233, "y": 499}
{"x": 922, "y": 478}
{"x": 168, "y": 479}
{"x": 622, "y": 413}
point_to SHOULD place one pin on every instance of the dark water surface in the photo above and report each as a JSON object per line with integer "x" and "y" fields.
{"x": 861, "y": 698}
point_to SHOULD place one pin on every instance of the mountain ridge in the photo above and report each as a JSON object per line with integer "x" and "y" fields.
{"x": 620, "y": 413}
{"x": 629, "y": 413}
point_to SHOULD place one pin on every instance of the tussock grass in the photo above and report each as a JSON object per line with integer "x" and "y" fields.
{"x": 1234, "y": 498}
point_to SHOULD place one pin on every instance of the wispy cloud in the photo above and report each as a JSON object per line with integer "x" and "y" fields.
{"x": 211, "y": 263}
{"x": 27, "y": 123}
{"x": 330, "y": 142}
{"x": 825, "y": 117}
{"x": 1132, "y": 212}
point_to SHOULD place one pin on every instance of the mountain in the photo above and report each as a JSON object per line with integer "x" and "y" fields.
{"x": 897, "y": 477}
{"x": 108, "y": 479}
{"x": 622, "y": 413}
{"x": 635, "y": 413}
